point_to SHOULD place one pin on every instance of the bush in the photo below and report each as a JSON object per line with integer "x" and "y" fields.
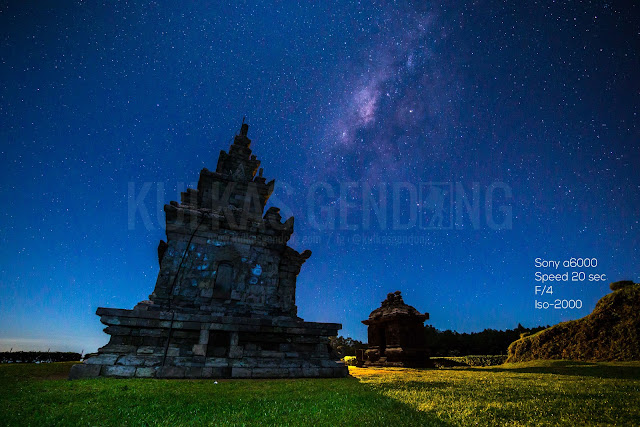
{"x": 349, "y": 360}
{"x": 609, "y": 333}
{"x": 615, "y": 286}
{"x": 489, "y": 341}
{"x": 483, "y": 360}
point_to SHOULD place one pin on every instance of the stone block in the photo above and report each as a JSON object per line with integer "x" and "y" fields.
{"x": 102, "y": 359}
{"x": 268, "y": 363}
{"x": 273, "y": 354}
{"x": 158, "y": 333}
{"x": 198, "y": 360}
{"x": 81, "y": 370}
{"x": 235, "y": 352}
{"x": 170, "y": 372}
{"x": 145, "y": 372}
{"x": 146, "y": 350}
{"x": 118, "y": 371}
{"x": 221, "y": 327}
{"x": 291, "y": 363}
{"x": 270, "y": 373}
{"x": 193, "y": 372}
{"x": 105, "y": 311}
{"x": 184, "y": 361}
{"x": 110, "y": 320}
{"x": 310, "y": 372}
{"x": 191, "y": 326}
{"x": 240, "y": 373}
{"x": 220, "y": 372}
{"x": 216, "y": 362}
{"x": 200, "y": 349}
{"x": 330, "y": 363}
{"x": 118, "y": 348}
{"x": 130, "y": 360}
{"x": 246, "y": 362}
{"x": 153, "y": 361}
{"x": 117, "y": 330}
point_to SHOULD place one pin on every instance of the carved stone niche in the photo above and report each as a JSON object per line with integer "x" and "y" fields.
{"x": 396, "y": 335}
{"x": 223, "y": 282}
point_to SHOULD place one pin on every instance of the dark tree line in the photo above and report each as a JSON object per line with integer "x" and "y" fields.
{"x": 487, "y": 342}
{"x": 38, "y": 356}
{"x": 345, "y": 346}
{"x": 451, "y": 343}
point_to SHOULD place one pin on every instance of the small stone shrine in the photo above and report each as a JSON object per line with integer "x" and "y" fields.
{"x": 224, "y": 301}
{"x": 396, "y": 335}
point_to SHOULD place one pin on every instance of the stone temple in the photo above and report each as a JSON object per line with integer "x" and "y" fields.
{"x": 396, "y": 335}
{"x": 224, "y": 304}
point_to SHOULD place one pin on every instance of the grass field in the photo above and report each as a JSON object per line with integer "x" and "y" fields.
{"x": 532, "y": 393}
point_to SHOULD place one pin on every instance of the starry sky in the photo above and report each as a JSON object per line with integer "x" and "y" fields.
{"x": 523, "y": 116}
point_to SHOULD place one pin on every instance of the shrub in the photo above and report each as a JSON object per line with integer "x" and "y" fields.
{"x": 609, "y": 333}
{"x": 482, "y": 360}
{"x": 349, "y": 360}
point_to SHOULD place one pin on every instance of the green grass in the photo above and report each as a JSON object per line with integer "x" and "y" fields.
{"x": 532, "y": 393}
{"x": 41, "y": 395}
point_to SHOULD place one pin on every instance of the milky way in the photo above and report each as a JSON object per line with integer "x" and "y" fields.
{"x": 389, "y": 110}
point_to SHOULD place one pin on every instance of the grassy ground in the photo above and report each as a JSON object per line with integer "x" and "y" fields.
{"x": 532, "y": 393}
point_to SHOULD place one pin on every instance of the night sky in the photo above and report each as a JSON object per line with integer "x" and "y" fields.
{"x": 533, "y": 104}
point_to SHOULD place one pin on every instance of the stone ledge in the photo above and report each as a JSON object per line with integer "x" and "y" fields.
{"x": 81, "y": 371}
{"x": 116, "y": 316}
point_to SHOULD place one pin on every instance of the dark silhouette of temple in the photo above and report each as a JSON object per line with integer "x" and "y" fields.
{"x": 396, "y": 335}
{"x": 224, "y": 304}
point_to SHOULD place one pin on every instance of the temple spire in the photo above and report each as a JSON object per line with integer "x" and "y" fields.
{"x": 244, "y": 128}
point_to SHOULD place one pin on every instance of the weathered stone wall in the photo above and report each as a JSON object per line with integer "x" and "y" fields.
{"x": 209, "y": 346}
{"x": 262, "y": 276}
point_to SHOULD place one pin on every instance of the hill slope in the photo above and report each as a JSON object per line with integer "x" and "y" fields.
{"x": 611, "y": 332}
